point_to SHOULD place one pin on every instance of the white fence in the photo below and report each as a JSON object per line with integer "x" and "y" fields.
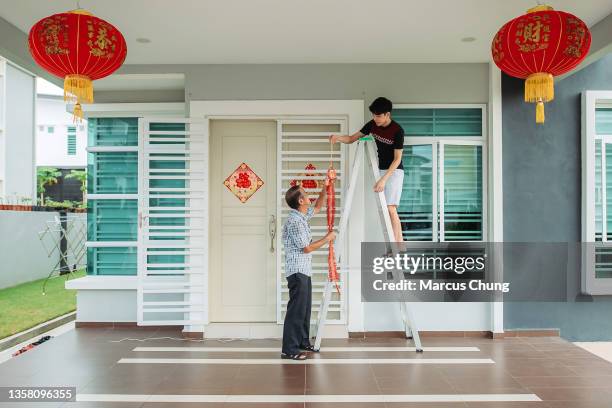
{"x": 24, "y": 257}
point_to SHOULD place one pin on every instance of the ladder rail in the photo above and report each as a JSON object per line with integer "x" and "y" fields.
{"x": 342, "y": 226}
{"x": 365, "y": 148}
{"x": 339, "y": 243}
{"x": 382, "y": 201}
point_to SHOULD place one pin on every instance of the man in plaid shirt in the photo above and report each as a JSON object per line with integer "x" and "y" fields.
{"x": 297, "y": 239}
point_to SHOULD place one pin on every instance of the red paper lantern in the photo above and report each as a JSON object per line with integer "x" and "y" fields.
{"x": 78, "y": 47}
{"x": 538, "y": 46}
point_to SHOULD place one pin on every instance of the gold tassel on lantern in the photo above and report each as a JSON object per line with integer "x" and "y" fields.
{"x": 540, "y": 112}
{"x": 77, "y": 113}
{"x": 539, "y": 88}
{"x": 78, "y": 89}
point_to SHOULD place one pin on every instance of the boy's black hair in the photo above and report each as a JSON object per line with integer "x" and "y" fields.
{"x": 381, "y": 105}
{"x": 292, "y": 197}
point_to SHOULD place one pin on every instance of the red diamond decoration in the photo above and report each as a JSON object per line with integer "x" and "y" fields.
{"x": 243, "y": 182}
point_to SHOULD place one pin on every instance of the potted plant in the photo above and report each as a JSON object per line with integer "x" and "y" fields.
{"x": 46, "y": 176}
{"x": 81, "y": 176}
{"x": 37, "y": 206}
{"x": 26, "y": 203}
{"x": 12, "y": 205}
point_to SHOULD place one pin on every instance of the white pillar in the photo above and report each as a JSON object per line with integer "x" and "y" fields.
{"x": 495, "y": 187}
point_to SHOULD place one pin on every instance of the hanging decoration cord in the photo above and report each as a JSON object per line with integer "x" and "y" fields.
{"x": 331, "y": 212}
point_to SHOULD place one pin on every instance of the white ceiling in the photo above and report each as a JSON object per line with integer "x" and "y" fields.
{"x": 302, "y": 31}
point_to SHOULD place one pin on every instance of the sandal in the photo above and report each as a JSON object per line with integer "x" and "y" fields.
{"x": 310, "y": 348}
{"x": 298, "y": 357}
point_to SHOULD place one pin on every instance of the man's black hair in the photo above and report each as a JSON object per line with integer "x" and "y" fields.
{"x": 292, "y": 197}
{"x": 381, "y": 105}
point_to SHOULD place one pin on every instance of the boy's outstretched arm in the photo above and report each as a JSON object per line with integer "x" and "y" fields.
{"x": 347, "y": 139}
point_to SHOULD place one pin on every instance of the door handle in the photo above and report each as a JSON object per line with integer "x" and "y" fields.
{"x": 141, "y": 219}
{"x": 272, "y": 230}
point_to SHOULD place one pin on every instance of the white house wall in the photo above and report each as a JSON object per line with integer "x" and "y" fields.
{"x": 18, "y": 135}
{"x": 51, "y": 148}
{"x": 402, "y": 83}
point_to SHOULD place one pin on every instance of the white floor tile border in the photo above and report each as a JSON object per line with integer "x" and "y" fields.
{"x": 315, "y": 361}
{"x": 601, "y": 349}
{"x": 323, "y": 349}
{"x": 309, "y": 398}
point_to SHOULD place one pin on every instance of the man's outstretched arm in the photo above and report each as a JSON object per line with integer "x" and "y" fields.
{"x": 321, "y": 198}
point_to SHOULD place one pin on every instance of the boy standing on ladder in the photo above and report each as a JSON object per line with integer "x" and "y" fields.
{"x": 389, "y": 137}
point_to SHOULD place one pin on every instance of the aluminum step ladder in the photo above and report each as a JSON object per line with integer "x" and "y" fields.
{"x": 364, "y": 147}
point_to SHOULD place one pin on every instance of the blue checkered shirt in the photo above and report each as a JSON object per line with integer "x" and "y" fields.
{"x": 296, "y": 236}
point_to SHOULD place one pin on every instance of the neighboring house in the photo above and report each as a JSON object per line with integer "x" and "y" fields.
{"x": 17, "y": 112}
{"x": 60, "y": 142}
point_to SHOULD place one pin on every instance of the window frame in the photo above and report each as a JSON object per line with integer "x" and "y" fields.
{"x": 438, "y": 143}
{"x": 123, "y": 110}
{"x": 590, "y": 284}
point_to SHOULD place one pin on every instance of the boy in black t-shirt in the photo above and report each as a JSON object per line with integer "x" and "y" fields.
{"x": 389, "y": 137}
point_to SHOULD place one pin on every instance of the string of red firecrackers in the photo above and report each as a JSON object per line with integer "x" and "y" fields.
{"x": 31, "y": 345}
{"x": 331, "y": 214}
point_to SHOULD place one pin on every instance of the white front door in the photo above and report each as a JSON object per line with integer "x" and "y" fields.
{"x": 242, "y": 275}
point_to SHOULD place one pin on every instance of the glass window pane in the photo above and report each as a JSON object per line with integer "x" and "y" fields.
{"x": 603, "y": 121}
{"x": 462, "y": 193}
{"x": 112, "y": 220}
{"x": 416, "y": 205}
{"x": 603, "y": 263}
{"x": 608, "y": 191}
{"x": 112, "y": 131}
{"x": 164, "y": 263}
{"x": 111, "y": 261}
{"x": 455, "y": 122}
{"x": 167, "y": 137}
{"x": 598, "y": 192}
{"x": 112, "y": 173}
{"x": 71, "y": 144}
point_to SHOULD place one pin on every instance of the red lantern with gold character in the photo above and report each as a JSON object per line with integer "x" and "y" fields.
{"x": 79, "y": 48}
{"x": 537, "y": 47}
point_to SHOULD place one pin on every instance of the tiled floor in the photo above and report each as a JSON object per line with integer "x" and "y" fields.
{"x": 551, "y": 369}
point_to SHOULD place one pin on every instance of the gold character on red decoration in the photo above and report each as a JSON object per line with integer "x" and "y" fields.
{"x": 101, "y": 45}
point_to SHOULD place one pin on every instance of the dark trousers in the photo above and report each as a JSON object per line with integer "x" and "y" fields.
{"x": 296, "y": 331}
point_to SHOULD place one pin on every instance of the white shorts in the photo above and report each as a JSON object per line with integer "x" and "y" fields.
{"x": 393, "y": 186}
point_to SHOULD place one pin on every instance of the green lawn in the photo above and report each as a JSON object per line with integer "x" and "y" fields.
{"x": 24, "y": 306}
